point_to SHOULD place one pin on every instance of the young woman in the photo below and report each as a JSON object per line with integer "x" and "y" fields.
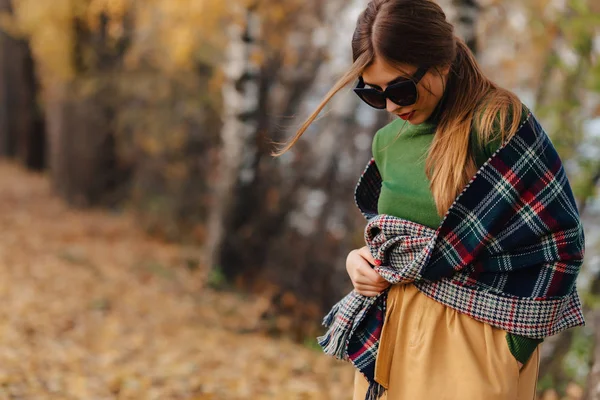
{"x": 452, "y": 120}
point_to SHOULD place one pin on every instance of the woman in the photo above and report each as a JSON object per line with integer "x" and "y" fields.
{"x": 457, "y": 322}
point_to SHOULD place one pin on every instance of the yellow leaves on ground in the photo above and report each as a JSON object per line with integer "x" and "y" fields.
{"x": 93, "y": 309}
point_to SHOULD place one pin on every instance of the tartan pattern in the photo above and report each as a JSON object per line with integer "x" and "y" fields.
{"x": 507, "y": 252}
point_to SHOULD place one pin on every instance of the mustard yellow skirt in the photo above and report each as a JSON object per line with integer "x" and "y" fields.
{"x": 430, "y": 351}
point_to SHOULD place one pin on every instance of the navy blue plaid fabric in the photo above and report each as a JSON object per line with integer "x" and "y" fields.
{"x": 507, "y": 252}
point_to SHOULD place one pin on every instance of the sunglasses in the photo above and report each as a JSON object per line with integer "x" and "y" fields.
{"x": 403, "y": 92}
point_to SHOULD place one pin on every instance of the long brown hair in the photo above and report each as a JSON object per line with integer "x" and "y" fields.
{"x": 415, "y": 32}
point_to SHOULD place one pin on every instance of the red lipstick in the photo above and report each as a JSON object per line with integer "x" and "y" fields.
{"x": 407, "y": 116}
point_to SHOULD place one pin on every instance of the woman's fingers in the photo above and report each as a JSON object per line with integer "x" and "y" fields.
{"x": 376, "y": 288}
{"x": 368, "y": 293}
{"x": 370, "y": 290}
{"x": 365, "y": 279}
{"x": 366, "y": 254}
{"x": 367, "y": 274}
{"x": 361, "y": 280}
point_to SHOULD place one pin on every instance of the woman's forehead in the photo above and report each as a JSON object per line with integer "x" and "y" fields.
{"x": 380, "y": 73}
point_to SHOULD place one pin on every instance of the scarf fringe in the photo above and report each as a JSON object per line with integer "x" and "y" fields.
{"x": 375, "y": 391}
{"x": 334, "y": 340}
{"x": 330, "y": 317}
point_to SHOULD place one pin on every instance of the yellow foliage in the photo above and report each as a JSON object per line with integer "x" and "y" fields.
{"x": 172, "y": 31}
{"x": 216, "y": 82}
{"x": 8, "y": 25}
{"x": 48, "y": 24}
{"x": 177, "y": 139}
{"x": 150, "y": 144}
{"x": 177, "y": 172}
{"x": 114, "y": 9}
{"x": 277, "y": 13}
{"x": 167, "y": 34}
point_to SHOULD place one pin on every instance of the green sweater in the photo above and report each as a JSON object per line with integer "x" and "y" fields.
{"x": 405, "y": 189}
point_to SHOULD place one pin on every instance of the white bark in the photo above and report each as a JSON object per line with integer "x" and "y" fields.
{"x": 464, "y": 15}
{"x": 240, "y": 97}
{"x": 331, "y": 134}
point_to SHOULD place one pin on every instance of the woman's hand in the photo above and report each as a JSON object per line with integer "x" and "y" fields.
{"x": 364, "y": 278}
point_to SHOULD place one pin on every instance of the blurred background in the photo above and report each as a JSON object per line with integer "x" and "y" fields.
{"x": 151, "y": 248}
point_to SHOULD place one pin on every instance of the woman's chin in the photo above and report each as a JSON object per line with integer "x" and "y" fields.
{"x": 416, "y": 118}
{"x": 419, "y": 118}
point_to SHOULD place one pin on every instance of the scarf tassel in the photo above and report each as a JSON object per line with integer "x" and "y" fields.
{"x": 329, "y": 318}
{"x": 375, "y": 391}
{"x": 334, "y": 340}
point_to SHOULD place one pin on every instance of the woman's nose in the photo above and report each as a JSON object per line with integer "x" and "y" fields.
{"x": 391, "y": 106}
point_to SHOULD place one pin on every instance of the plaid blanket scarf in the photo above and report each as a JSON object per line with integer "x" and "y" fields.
{"x": 507, "y": 252}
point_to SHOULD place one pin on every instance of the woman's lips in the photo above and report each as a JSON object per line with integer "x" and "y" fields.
{"x": 407, "y": 116}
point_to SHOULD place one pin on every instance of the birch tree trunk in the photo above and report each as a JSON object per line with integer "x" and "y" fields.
{"x": 592, "y": 391}
{"x": 247, "y": 211}
{"x": 240, "y": 123}
{"x": 464, "y": 15}
{"x": 292, "y": 220}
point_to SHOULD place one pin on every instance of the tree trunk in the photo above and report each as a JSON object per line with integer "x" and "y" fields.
{"x": 82, "y": 153}
{"x": 292, "y": 221}
{"x": 259, "y": 202}
{"x": 592, "y": 391}
{"x": 466, "y": 21}
{"x": 240, "y": 106}
{"x": 82, "y": 146}
{"x": 21, "y": 124}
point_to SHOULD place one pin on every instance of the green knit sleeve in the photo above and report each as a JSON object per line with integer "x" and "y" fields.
{"x": 522, "y": 347}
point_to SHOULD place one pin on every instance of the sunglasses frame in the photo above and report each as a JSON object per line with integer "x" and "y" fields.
{"x": 413, "y": 80}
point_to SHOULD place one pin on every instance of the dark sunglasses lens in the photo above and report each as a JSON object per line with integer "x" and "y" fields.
{"x": 403, "y": 94}
{"x": 372, "y": 97}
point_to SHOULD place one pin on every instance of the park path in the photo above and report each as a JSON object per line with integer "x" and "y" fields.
{"x": 92, "y": 308}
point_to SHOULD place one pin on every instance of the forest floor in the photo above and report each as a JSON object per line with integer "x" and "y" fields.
{"x": 92, "y": 308}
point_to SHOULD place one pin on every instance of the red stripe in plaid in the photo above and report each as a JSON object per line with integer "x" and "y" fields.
{"x": 507, "y": 252}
